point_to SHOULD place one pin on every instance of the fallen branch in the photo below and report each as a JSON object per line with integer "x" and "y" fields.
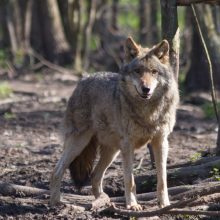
{"x": 156, "y": 212}
{"x": 185, "y": 174}
{"x": 192, "y": 196}
{"x": 193, "y": 212}
{"x": 202, "y": 160}
{"x": 207, "y": 190}
{"x": 172, "y": 191}
{"x": 9, "y": 189}
{"x": 48, "y": 63}
{"x": 161, "y": 212}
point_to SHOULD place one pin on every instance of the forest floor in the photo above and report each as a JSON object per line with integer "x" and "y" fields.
{"x": 31, "y": 144}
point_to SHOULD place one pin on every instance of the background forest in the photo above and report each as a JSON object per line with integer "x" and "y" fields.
{"x": 45, "y": 48}
{"x": 89, "y": 35}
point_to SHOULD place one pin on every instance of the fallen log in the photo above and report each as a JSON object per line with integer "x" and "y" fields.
{"x": 172, "y": 191}
{"x": 9, "y": 189}
{"x": 186, "y": 199}
{"x": 183, "y": 175}
{"x": 193, "y": 163}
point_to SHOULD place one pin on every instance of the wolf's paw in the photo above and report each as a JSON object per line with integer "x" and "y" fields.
{"x": 135, "y": 207}
{"x": 102, "y": 201}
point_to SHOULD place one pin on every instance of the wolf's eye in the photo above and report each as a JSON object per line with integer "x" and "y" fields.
{"x": 138, "y": 71}
{"x": 154, "y": 71}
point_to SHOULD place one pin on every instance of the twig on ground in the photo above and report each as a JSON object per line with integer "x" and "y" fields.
{"x": 140, "y": 164}
{"x": 172, "y": 191}
{"x": 207, "y": 190}
{"x": 186, "y": 198}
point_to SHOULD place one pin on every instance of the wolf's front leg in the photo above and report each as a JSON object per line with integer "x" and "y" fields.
{"x": 130, "y": 187}
{"x": 160, "y": 149}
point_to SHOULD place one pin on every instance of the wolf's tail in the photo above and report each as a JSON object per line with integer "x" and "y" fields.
{"x": 81, "y": 168}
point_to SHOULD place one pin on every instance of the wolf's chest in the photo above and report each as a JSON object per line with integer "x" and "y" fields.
{"x": 141, "y": 131}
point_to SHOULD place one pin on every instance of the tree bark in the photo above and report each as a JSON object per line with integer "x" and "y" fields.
{"x": 61, "y": 45}
{"x": 88, "y": 31}
{"x": 78, "y": 30}
{"x": 48, "y": 35}
{"x": 197, "y": 77}
{"x": 11, "y": 28}
{"x": 5, "y": 42}
{"x": 148, "y": 29}
{"x": 114, "y": 15}
{"x": 170, "y": 32}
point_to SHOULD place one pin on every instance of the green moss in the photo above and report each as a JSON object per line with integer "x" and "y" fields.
{"x": 196, "y": 157}
{"x": 215, "y": 172}
{"x": 209, "y": 111}
{"x": 5, "y": 90}
{"x": 9, "y": 116}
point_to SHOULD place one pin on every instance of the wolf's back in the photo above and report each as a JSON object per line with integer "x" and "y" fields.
{"x": 90, "y": 92}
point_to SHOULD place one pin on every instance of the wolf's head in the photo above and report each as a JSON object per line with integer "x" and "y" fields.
{"x": 146, "y": 71}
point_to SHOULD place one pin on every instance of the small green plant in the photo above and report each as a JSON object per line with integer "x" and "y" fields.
{"x": 195, "y": 156}
{"x": 9, "y": 115}
{"x": 208, "y": 109}
{"x": 19, "y": 145}
{"x": 215, "y": 172}
{"x": 5, "y": 90}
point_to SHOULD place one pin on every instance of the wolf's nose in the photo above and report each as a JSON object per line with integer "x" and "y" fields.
{"x": 145, "y": 89}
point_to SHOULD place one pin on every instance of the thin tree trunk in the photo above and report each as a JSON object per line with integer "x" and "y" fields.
{"x": 11, "y": 28}
{"x": 170, "y": 32}
{"x": 78, "y": 32}
{"x": 27, "y": 32}
{"x": 148, "y": 29}
{"x": 144, "y": 24}
{"x": 114, "y": 16}
{"x": 88, "y": 30}
{"x": 61, "y": 44}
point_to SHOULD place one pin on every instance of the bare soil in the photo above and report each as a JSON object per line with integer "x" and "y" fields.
{"x": 31, "y": 144}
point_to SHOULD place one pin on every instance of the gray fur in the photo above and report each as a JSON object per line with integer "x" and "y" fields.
{"x": 110, "y": 107}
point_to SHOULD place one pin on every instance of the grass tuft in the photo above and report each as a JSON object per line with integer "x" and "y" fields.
{"x": 5, "y": 90}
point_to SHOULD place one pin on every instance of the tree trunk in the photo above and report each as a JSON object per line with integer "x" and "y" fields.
{"x": 144, "y": 24}
{"x": 11, "y": 28}
{"x": 197, "y": 77}
{"x": 114, "y": 16}
{"x": 78, "y": 29}
{"x": 170, "y": 32}
{"x": 48, "y": 36}
{"x": 148, "y": 29}
{"x": 60, "y": 42}
{"x": 88, "y": 31}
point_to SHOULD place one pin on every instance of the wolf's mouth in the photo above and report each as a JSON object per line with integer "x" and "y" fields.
{"x": 143, "y": 95}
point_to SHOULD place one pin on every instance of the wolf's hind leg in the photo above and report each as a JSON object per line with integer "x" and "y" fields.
{"x": 107, "y": 155}
{"x": 73, "y": 146}
{"x": 160, "y": 149}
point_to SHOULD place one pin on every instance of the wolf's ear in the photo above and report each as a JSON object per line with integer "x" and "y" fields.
{"x": 161, "y": 50}
{"x": 131, "y": 49}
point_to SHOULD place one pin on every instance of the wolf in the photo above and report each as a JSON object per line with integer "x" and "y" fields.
{"x": 110, "y": 113}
